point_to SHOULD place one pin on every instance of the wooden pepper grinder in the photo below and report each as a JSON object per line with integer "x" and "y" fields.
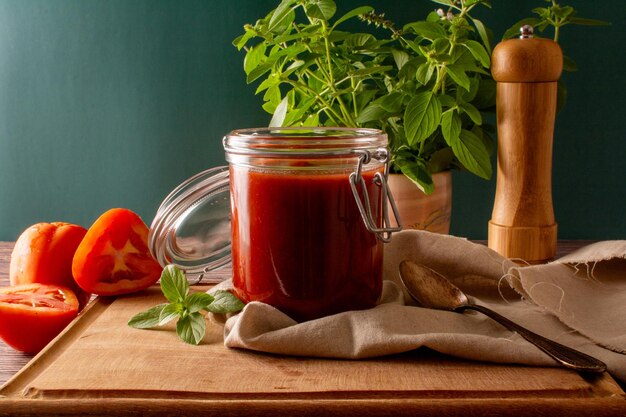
{"x": 527, "y": 69}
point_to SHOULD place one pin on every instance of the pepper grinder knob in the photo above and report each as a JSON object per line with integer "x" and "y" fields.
{"x": 526, "y": 32}
{"x": 526, "y": 70}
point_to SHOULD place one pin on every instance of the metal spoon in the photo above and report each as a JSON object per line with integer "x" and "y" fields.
{"x": 433, "y": 290}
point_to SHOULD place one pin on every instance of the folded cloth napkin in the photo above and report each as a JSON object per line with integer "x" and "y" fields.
{"x": 579, "y": 301}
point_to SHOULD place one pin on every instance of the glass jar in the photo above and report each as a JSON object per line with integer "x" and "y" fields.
{"x": 307, "y": 212}
{"x": 303, "y": 211}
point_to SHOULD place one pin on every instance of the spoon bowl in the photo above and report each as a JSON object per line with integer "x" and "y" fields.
{"x": 429, "y": 288}
{"x": 433, "y": 290}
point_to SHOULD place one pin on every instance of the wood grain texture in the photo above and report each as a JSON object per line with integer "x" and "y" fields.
{"x": 99, "y": 366}
{"x": 527, "y": 61}
{"x": 522, "y": 225}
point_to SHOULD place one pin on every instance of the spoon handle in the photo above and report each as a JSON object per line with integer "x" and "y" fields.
{"x": 569, "y": 357}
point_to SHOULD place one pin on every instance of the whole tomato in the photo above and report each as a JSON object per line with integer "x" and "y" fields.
{"x": 31, "y": 315}
{"x": 113, "y": 257}
{"x": 43, "y": 254}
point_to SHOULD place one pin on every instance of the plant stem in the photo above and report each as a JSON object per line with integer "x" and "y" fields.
{"x": 331, "y": 79}
{"x": 327, "y": 107}
{"x": 345, "y": 119}
{"x": 354, "y": 106}
{"x": 441, "y": 76}
{"x": 556, "y": 22}
{"x": 325, "y": 33}
{"x": 556, "y": 33}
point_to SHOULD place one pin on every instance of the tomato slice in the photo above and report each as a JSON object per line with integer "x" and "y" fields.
{"x": 31, "y": 315}
{"x": 113, "y": 257}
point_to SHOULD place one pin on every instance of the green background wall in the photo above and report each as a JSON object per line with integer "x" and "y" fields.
{"x": 112, "y": 103}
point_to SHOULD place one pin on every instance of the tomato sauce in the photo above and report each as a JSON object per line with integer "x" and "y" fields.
{"x": 299, "y": 242}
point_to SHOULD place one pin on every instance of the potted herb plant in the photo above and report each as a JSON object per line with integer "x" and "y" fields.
{"x": 440, "y": 78}
{"x": 427, "y": 85}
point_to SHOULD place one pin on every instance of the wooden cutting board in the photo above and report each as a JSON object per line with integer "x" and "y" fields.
{"x": 100, "y": 366}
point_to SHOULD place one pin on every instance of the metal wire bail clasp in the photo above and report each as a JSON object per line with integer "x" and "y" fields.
{"x": 356, "y": 179}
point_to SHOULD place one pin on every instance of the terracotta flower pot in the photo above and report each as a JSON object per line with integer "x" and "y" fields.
{"x": 420, "y": 211}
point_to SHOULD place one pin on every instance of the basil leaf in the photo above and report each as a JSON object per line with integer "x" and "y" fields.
{"x": 459, "y": 76}
{"x": 478, "y": 51}
{"x": 472, "y": 153}
{"x": 382, "y": 108}
{"x": 373, "y": 111}
{"x": 225, "y": 302}
{"x": 447, "y": 101}
{"x": 258, "y": 72}
{"x": 563, "y": 12}
{"x": 254, "y": 57}
{"x": 484, "y": 35}
{"x": 428, "y": 30}
{"x": 352, "y": 13}
{"x": 174, "y": 284}
{"x": 424, "y": 73}
{"x": 169, "y": 313}
{"x": 392, "y": 102}
{"x": 272, "y": 94}
{"x": 587, "y": 22}
{"x": 400, "y": 57}
{"x": 241, "y": 41}
{"x": 280, "y": 112}
{"x": 472, "y": 112}
{"x": 198, "y": 301}
{"x": 320, "y": 9}
{"x": 191, "y": 328}
{"x": 422, "y": 116}
{"x": 282, "y": 16}
{"x": 299, "y": 110}
{"x": 359, "y": 40}
{"x": 147, "y": 319}
{"x": 450, "y": 126}
{"x": 417, "y": 172}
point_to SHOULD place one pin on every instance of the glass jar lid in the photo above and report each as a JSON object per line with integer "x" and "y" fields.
{"x": 191, "y": 228}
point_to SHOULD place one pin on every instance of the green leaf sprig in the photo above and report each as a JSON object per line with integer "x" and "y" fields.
{"x": 185, "y": 307}
{"x": 554, "y": 15}
{"x": 425, "y": 84}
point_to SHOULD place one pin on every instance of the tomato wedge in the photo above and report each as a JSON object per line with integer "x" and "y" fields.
{"x": 31, "y": 315}
{"x": 113, "y": 257}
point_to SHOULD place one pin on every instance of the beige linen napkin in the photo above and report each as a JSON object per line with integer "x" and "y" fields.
{"x": 579, "y": 301}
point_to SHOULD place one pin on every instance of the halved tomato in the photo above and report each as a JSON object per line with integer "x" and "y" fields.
{"x": 113, "y": 257}
{"x": 31, "y": 315}
{"x": 43, "y": 254}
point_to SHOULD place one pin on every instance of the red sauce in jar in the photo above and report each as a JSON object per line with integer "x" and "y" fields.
{"x": 299, "y": 242}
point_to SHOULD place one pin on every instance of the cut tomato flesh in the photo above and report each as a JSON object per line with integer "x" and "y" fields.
{"x": 37, "y": 297}
{"x": 31, "y": 315}
{"x": 114, "y": 258}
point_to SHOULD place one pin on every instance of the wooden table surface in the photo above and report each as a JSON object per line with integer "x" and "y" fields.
{"x": 12, "y": 361}
{"x": 99, "y": 366}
